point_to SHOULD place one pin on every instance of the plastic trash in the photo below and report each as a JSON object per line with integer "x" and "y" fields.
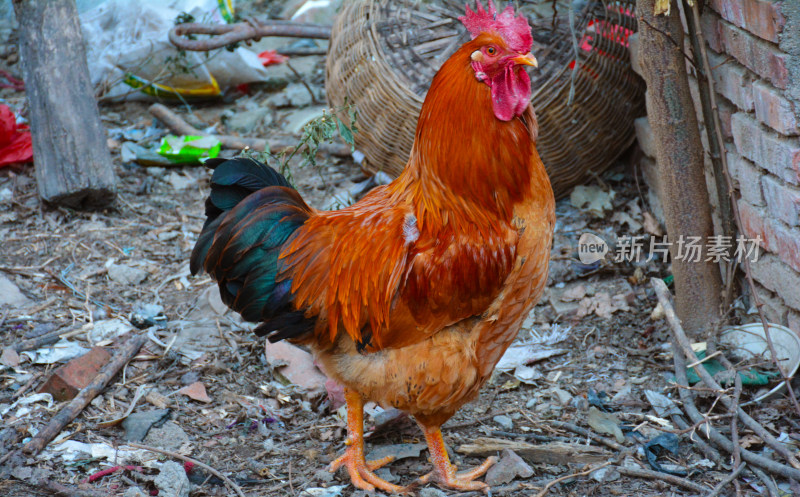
{"x": 131, "y": 57}
{"x": 16, "y": 146}
{"x": 189, "y": 149}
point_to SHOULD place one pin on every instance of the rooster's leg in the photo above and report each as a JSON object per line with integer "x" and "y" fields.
{"x": 444, "y": 472}
{"x": 361, "y": 471}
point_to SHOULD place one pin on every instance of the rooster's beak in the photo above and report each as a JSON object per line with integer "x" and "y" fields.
{"x": 528, "y": 60}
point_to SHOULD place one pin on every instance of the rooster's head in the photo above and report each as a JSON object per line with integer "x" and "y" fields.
{"x": 503, "y": 42}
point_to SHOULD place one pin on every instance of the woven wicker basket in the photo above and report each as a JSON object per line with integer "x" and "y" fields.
{"x": 384, "y": 54}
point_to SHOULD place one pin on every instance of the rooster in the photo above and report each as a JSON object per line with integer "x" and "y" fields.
{"x": 410, "y": 296}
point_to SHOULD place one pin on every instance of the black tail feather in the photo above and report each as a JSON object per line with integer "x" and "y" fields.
{"x": 252, "y": 212}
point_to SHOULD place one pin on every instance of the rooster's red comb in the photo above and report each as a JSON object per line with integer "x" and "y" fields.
{"x": 515, "y": 31}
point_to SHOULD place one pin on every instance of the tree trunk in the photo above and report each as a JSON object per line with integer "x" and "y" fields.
{"x": 71, "y": 159}
{"x": 686, "y": 204}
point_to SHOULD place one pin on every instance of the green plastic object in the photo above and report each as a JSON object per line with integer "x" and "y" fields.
{"x": 189, "y": 149}
{"x": 751, "y": 377}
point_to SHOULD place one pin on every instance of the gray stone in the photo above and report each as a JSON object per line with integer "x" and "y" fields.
{"x": 138, "y": 424}
{"x": 431, "y": 492}
{"x": 172, "y": 480}
{"x": 507, "y": 468}
{"x": 278, "y": 101}
{"x": 386, "y": 474}
{"x": 606, "y": 474}
{"x": 399, "y": 451}
{"x": 298, "y": 95}
{"x": 126, "y": 275}
{"x": 563, "y": 397}
{"x": 247, "y": 121}
{"x": 168, "y": 437}
{"x": 10, "y": 295}
{"x": 504, "y": 421}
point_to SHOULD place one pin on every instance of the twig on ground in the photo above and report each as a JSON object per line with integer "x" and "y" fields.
{"x": 233, "y": 486}
{"x": 586, "y": 433}
{"x": 41, "y": 341}
{"x": 737, "y": 450}
{"x": 74, "y": 408}
{"x": 709, "y": 451}
{"x": 549, "y": 485}
{"x": 656, "y": 475}
{"x": 767, "y": 481}
{"x": 530, "y": 436}
{"x": 478, "y": 420}
{"x": 178, "y": 126}
{"x": 691, "y": 410}
{"x": 731, "y": 477}
{"x": 303, "y": 82}
{"x": 663, "y": 297}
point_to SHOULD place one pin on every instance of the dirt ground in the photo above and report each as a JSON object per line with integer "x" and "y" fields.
{"x": 76, "y": 269}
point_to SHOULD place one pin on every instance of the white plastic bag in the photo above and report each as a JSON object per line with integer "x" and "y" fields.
{"x": 127, "y": 47}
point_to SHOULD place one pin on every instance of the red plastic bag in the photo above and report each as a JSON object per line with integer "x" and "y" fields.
{"x": 16, "y": 146}
{"x": 270, "y": 57}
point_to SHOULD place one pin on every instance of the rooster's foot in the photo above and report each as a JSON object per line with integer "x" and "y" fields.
{"x": 361, "y": 471}
{"x": 445, "y": 475}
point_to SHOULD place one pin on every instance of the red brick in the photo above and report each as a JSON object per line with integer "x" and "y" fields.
{"x": 777, "y": 277}
{"x": 69, "y": 379}
{"x": 774, "y": 110}
{"x": 767, "y": 149}
{"x": 752, "y": 220}
{"x": 760, "y": 17}
{"x": 761, "y": 57}
{"x": 776, "y": 237}
{"x": 748, "y": 176}
{"x": 783, "y": 200}
{"x": 785, "y": 243}
{"x": 732, "y": 81}
{"x": 709, "y": 24}
{"x": 726, "y": 111}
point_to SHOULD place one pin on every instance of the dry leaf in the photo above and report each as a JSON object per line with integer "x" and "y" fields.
{"x": 606, "y": 423}
{"x": 195, "y": 391}
{"x": 651, "y": 225}
{"x": 9, "y": 358}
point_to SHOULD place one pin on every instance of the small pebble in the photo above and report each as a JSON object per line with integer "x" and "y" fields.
{"x": 504, "y": 422}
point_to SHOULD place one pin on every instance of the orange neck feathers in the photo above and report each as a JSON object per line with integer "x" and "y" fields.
{"x": 467, "y": 167}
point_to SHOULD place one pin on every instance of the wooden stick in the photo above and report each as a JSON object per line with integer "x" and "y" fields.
{"x": 662, "y": 293}
{"x": 180, "y": 127}
{"x": 715, "y": 436}
{"x": 41, "y": 341}
{"x": 206, "y": 467}
{"x": 71, "y": 410}
{"x": 586, "y": 433}
{"x": 721, "y": 485}
{"x": 547, "y": 487}
{"x": 656, "y": 475}
{"x": 73, "y": 164}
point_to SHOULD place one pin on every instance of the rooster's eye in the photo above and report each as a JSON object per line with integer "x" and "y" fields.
{"x": 491, "y": 50}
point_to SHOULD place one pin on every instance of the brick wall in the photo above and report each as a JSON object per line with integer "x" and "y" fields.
{"x": 754, "y": 50}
